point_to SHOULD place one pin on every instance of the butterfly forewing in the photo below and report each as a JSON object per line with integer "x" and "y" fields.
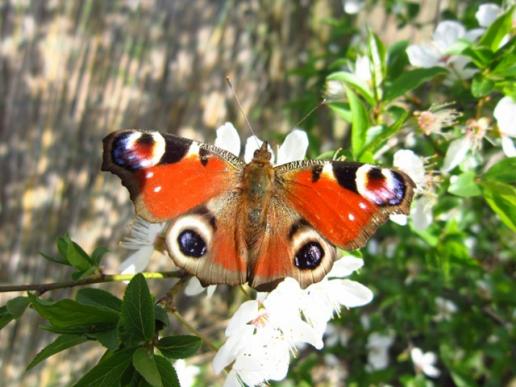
{"x": 345, "y": 202}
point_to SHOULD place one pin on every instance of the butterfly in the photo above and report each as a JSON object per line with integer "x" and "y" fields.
{"x": 230, "y": 222}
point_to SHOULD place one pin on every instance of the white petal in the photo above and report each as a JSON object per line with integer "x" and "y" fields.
{"x": 363, "y": 69}
{"x": 410, "y": 163}
{"x": 487, "y": 13}
{"x": 447, "y": 33}
{"x": 194, "y": 287}
{"x": 210, "y": 290}
{"x": 228, "y": 138}
{"x": 400, "y": 219}
{"x": 505, "y": 114}
{"x": 474, "y": 34}
{"x": 246, "y": 312}
{"x": 345, "y": 266}
{"x": 232, "y": 380}
{"x": 423, "y": 55}
{"x": 378, "y": 359}
{"x": 351, "y": 293}
{"x": 416, "y": 355}
{"x": 251, "y": 145}
{"x": 293, "y": 148}
{"x": 508, "y": 146}
{"x": 352, "y": 7}
{"x": 137, "y": 261}
{"x": 431, "y": 371}
{"x": 456, "y": 153}
{"x": 229, "y": 351}
{"x": 186, "y": 373}
{"x": 421, "y": 213}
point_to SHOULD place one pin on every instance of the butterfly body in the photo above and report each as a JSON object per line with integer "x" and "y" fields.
{"x": 231, "y": 222}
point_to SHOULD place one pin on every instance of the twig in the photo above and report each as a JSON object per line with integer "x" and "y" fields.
{"x": 101, "y": 278}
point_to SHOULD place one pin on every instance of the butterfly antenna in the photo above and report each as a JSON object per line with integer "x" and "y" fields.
{"x": 310, "y": 112}
{"x": 237, "y": 100}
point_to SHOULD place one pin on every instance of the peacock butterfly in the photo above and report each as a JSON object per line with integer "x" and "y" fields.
{"x": 232, "y": 222}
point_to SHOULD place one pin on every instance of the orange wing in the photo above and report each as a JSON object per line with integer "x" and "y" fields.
{"x": 289, "y": 247}
{"x": 168, "y": 175}
{"x": 192, "y": 185}
{"x": 345, "y": 202}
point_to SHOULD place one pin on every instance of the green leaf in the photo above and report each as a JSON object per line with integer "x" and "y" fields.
{"x": 179, "y": 347}
{"x": 341, "y": 110}
{"x": 57, "y": 259}
{"x": 69, "y": 314}
{"x": 60, "y": 344}
{"x": 376, "y": 139}
{"x": 109, "y": 339}
{"x": 73, "y": 253}
{"x": 167, "y": 372}
{"x": 501, "y": 198}
{"x": 481, "y": 86}
{"x": 397, "y": 58}
{"x": 5, "y": 317}
{"x": 354, "y": 83}
{"x": 138, "y": 309}
{"x": 503, "y": 171}
{"x": 108, "y": 371}
{"x": 17, "y": 306}
{"x": 497, "y": 30}
{"x": 98, "y": 297}
{"x": 376, "y": 51}
{"x": 359, "y": 123}
{"x": 145, "y": 364}
{"x": 464, "y": 185}
{"x": 97, "y": 255}
{"x": 410, "y": 80}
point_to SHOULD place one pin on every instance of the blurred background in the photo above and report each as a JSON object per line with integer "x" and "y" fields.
{"x": 73, "y": 71}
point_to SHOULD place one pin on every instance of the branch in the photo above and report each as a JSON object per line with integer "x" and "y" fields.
{"x": 101, "y": 278}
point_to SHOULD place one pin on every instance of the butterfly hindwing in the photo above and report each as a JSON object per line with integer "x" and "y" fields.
{"x": 206, "y": 242}
{"x": 168, "y": 175}
{"x": 289, "y": 247}
{"x": 344, "y": 201}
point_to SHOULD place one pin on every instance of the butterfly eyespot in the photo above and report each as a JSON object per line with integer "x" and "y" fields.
{"x": 191, "y": 244}
{"x": 309, "y": 256}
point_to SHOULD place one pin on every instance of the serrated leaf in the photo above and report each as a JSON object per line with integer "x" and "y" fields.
{"x": 359, "y": 124}
{"x": 464, "y": 185}
{"x": 410, "y": 80}
{"x": 108, "y": 371}
{"x": 138, "y": 309}
{"x": 69, "y": 314}
{"x": 98, "y": 297}
{"x": 17, "y": 306}
{"x": 167, "y": 372}
{"x": 179, "y": 347}
{"x": 503, "y": 171}
{"x": 145, "y": 364}
{"x": 501, "y": 198}
{"x": 60, "y": 344}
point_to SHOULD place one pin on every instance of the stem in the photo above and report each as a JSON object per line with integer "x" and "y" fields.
{"x": 101, "y": 278}
{"x": 193, "y": 330}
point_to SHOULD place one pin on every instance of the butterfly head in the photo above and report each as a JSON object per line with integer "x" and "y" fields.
{"x": 262, "y": 154}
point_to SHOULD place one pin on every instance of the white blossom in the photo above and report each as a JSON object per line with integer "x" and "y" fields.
{"x": 439, "y": 51}
{"x": 352, "y": 7}
{"x": 425, "y": 362}
{"x": 505, "y": 115}
{"x": 457, "y": 152}
{"x": 445, "y": 309}
{"x": 378, "y": 346}
{"x": 487, "y": 14}
{"x": 421, "y": 210}
{"x": 141, "y": 240}
{"x": 186, "y": 373}
{"x": 262, "y": 334}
